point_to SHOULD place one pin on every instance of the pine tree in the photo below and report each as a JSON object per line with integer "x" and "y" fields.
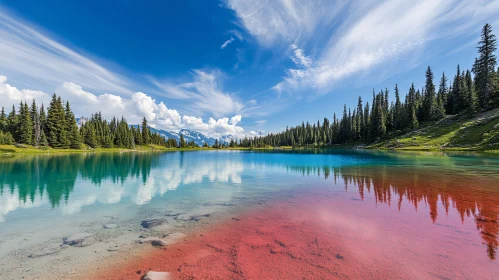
{"x": 457, "y": 100}
{"x": 90, "y": 137}
{"x": 3, "y": 121}
{"x": 484, "y": 66}
{"x": 442, "y": 97}
{"x": 64, "y": 137}
{"x": 429, "y": 101}
{"x": 145, "y": 132}
{"x": 25, "y": 125}
{"x": 43, "y": 118}
{"x": 367, "y": 121}
{"x": 471, "y": 100}
{"x": 56, "y": 127}
{"x": 72, "y": 128}
{"x": 360, "y": 119}
{"x": 35, "y": 118}
{"x": 397, "y": 110}
{"x": 43, "y": 139}
{"x": 412, "y": 108}
{"x": 12, "y": 123}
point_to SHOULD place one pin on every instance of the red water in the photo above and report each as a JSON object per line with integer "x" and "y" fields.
{"x": 381, "y": 225}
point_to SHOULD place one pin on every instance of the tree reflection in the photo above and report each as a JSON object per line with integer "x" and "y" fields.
{"x": 472, "y": 196}
{"x": 55, "y": 176}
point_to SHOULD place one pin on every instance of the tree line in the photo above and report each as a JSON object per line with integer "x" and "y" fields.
{"x": 57, "y": 128}
{"x": 470, "y": 92}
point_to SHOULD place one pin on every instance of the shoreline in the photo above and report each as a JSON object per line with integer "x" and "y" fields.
{"x": 11, "y": 150}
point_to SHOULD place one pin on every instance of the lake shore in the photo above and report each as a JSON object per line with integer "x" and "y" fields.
{"x": 13, "y": 150}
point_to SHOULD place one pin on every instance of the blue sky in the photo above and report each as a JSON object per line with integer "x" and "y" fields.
{"x": 230, "y": 66}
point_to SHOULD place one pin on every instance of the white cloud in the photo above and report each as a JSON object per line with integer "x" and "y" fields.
{"x": 283, "y": 20}
{"x": 299, "y": 58}
{"x": 10, "y": 95}
{"x": 261, "y": 122}
{"x": 215, "y": 128}
{"x": 85, "y": 103}
{"x": 204, "y": 93}
{"x": 353, "y": 38}
{"x": 133, "y": 108}
{"x": 236, "y": 33}
{"x": 226, "y": 43}
{"x": 29, "y": 56}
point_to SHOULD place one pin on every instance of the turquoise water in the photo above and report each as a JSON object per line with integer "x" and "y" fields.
{"x": 45, "y": 198}
{"x": 64, "y": 185}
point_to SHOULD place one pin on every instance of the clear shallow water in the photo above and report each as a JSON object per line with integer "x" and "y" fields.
{"x": 444, "y": 197}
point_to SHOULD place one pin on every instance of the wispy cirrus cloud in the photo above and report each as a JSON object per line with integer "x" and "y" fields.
{"x": 203, "y": 92}
{"x": 353, "y": 37}
{"x": 226, "y": 43}
{"x": 29, "y": 56}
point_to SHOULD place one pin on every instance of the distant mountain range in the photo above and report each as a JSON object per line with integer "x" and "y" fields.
{"x": 191, "y": 135}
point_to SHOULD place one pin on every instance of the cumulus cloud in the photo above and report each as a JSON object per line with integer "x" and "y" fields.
{"x": 363, "y": 38}
{"x": 10, "y": 95}
{"x": 133, "y": 108}
{"x": 204, "y": 93}
{"x": 226, "y": 43}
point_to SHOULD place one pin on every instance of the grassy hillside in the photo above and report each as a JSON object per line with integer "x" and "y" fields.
{"x": 480, "y": 133}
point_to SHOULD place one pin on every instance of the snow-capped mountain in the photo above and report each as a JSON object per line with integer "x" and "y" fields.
{"x": 166, "y": 134}
{"x": 198, "y": 137}
{"x": 191, "y": 135}
{"x": 227, "y": 138}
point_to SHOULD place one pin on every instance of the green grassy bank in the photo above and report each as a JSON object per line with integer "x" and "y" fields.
{"x": 480, "y": 133}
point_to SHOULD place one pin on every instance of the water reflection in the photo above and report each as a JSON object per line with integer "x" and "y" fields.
{"x": 462, "y": 183}
{"x": 474, "y": 197}
{"x": 69, "y": 182}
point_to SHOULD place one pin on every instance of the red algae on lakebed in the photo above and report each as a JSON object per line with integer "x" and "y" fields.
{"x": 329, "y": 232}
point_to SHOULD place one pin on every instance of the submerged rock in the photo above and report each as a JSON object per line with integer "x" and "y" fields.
{"x": 114, "y": 249}
{"x": 110, "y": 226}
{"x": 152, "y": 223}
{"x": 163, "y": 228}
{"x": 173, "y": 213}
{"x": 193, "y": 216}
{"x": 45, "y": 252}
{"x": 81, "y": 239}
{"x": 153, "y": 241}
{"x": 155, "y": 275}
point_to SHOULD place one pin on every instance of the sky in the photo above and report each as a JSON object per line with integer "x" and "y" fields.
{"x": 240, "y": 67}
